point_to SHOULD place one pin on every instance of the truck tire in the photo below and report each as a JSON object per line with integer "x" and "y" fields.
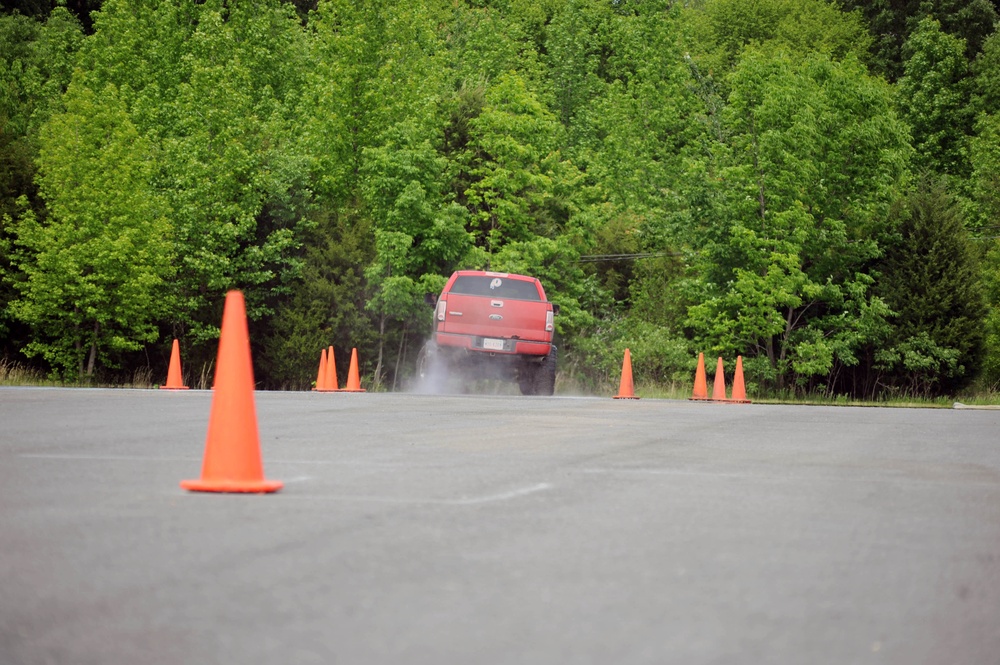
{"x": 539, "y": 378}
{"x": 545, "y": 377}
{"x": 432, "y": 371}
{"x": 526, "y": 378}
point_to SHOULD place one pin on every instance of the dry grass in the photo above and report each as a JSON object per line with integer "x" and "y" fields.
{"x": 206, "y": 377}
{"x": 14, "y": 373}
{"x": 142, "y": 377}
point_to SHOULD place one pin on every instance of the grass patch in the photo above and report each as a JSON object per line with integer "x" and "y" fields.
{"x": 142, "y": 377}
{"x": 14, "y": 373}
{"x": 843, "y": 400}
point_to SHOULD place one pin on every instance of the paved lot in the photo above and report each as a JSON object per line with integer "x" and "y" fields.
{"x": 425, "y": 529}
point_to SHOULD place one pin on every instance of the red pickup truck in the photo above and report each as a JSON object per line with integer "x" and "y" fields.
{"x": 491, "y": 325}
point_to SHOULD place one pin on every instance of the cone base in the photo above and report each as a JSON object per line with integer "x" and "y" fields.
{"x": 175, "y": 388}
{"x": 699, "y": 399}
{"x": 738, "y": 401}
{"x": 355, "y": 390}
{"x": 624, "y": 397}
{"x": 233, "y": 486}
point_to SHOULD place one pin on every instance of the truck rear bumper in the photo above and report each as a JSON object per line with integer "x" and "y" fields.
{"x": 491, "y": 345}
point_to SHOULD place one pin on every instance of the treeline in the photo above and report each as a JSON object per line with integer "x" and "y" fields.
{"x": 813, "y": 185}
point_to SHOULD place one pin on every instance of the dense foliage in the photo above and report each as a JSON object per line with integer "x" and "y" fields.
{"x": 811, "y": 184}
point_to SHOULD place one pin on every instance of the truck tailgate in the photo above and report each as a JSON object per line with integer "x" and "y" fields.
{"x": 495, "y": 317}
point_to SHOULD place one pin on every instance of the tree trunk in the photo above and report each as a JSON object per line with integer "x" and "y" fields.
{"x": 399, "y": 355}
{"x": 788, "y": 334}
{"x": 381, "y": 344}
{"x": 92, "y": 360}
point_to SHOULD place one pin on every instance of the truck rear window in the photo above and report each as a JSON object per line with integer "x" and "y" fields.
{"x": 495, "y": 287}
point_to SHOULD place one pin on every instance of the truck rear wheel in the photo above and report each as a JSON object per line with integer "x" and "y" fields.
{"x": 539, "y": 378}
{"x": 432, "y": 370}
{"x": 545, "y": 380}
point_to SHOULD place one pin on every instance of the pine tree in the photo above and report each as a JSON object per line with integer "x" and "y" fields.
{"x": 931, "y": 279}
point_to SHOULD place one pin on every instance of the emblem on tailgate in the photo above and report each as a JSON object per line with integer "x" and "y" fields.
{"x": 495, "y": 317}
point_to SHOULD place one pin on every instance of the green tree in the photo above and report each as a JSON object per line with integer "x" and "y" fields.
{"x": 645, "y": 116}
{"x": 577, "y": 40}
{"x": 326, "y": 306}
{"x": 519, "y": 190}
{"x": 371, "y": 122}
{"x": 486, "y": 42}
{"x": 513, "y": 168}
{"x": 40, "y": 9}
{"x": 986, "y": 68}
{"x": 991, "y": 339}
{"x": 984, "y": 147}
{"x": 213, "y": 87}
{"x": 723, "y": 28}
{"x": 231, "y": 170}
{"x": 36, "y": 62}
{"x": 892, "y": 23}
{"x": 96, "y": 272}
{"x": 984, "y": 152}
{"x": 932, "y": 281}
{"x": 934, "y": 95}
{"x": 35, "y": 68}
{"x": 983, "y": 209}
{"x": 373, "y": 66}
{"x": 647, "y": 128}
{"x": 419, "y": 236}
{"x": 795, "y": 199}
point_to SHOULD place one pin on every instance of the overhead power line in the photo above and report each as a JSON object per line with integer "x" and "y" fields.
{"x": 596, "y": 258}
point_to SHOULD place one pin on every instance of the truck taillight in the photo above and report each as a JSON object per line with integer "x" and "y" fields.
{"x": 442, "y": 306}
{"x": 549, "y": 324}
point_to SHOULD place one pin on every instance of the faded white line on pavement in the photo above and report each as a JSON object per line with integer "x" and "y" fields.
{"x": 297, "y": 479}
{"x": 524, "y": 491}
{"x": 472, "y": 501}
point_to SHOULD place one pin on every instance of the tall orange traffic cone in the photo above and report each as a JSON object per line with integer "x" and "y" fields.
{"x": 174, "y": 380}
{"x": 330, "y": 384}
{"x": 719, "y": 387}
{"x": 700, "y": 382}
{"x": 353, "y": 379}
{"x": 739, "y": 388}
{"x": 232, "y": 460}
{"x": 321, "y": 374}
{"x": 625, "y": 389}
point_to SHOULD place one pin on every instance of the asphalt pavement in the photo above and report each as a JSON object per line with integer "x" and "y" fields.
{"x": 498, "y": 529}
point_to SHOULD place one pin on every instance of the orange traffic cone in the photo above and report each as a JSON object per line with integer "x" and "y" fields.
{"x": 232, "y": 460}
{"x": 739, "y": 388}
{"x": 719, "y": 387}
{"x": 353, "y": 379}
{"x": 321, "y": 374}
{"x": 625, "y": 390}
{"x": 330, "y": 384}
{"x": 174, "y": 380}
{"x": 700, "y": 382}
